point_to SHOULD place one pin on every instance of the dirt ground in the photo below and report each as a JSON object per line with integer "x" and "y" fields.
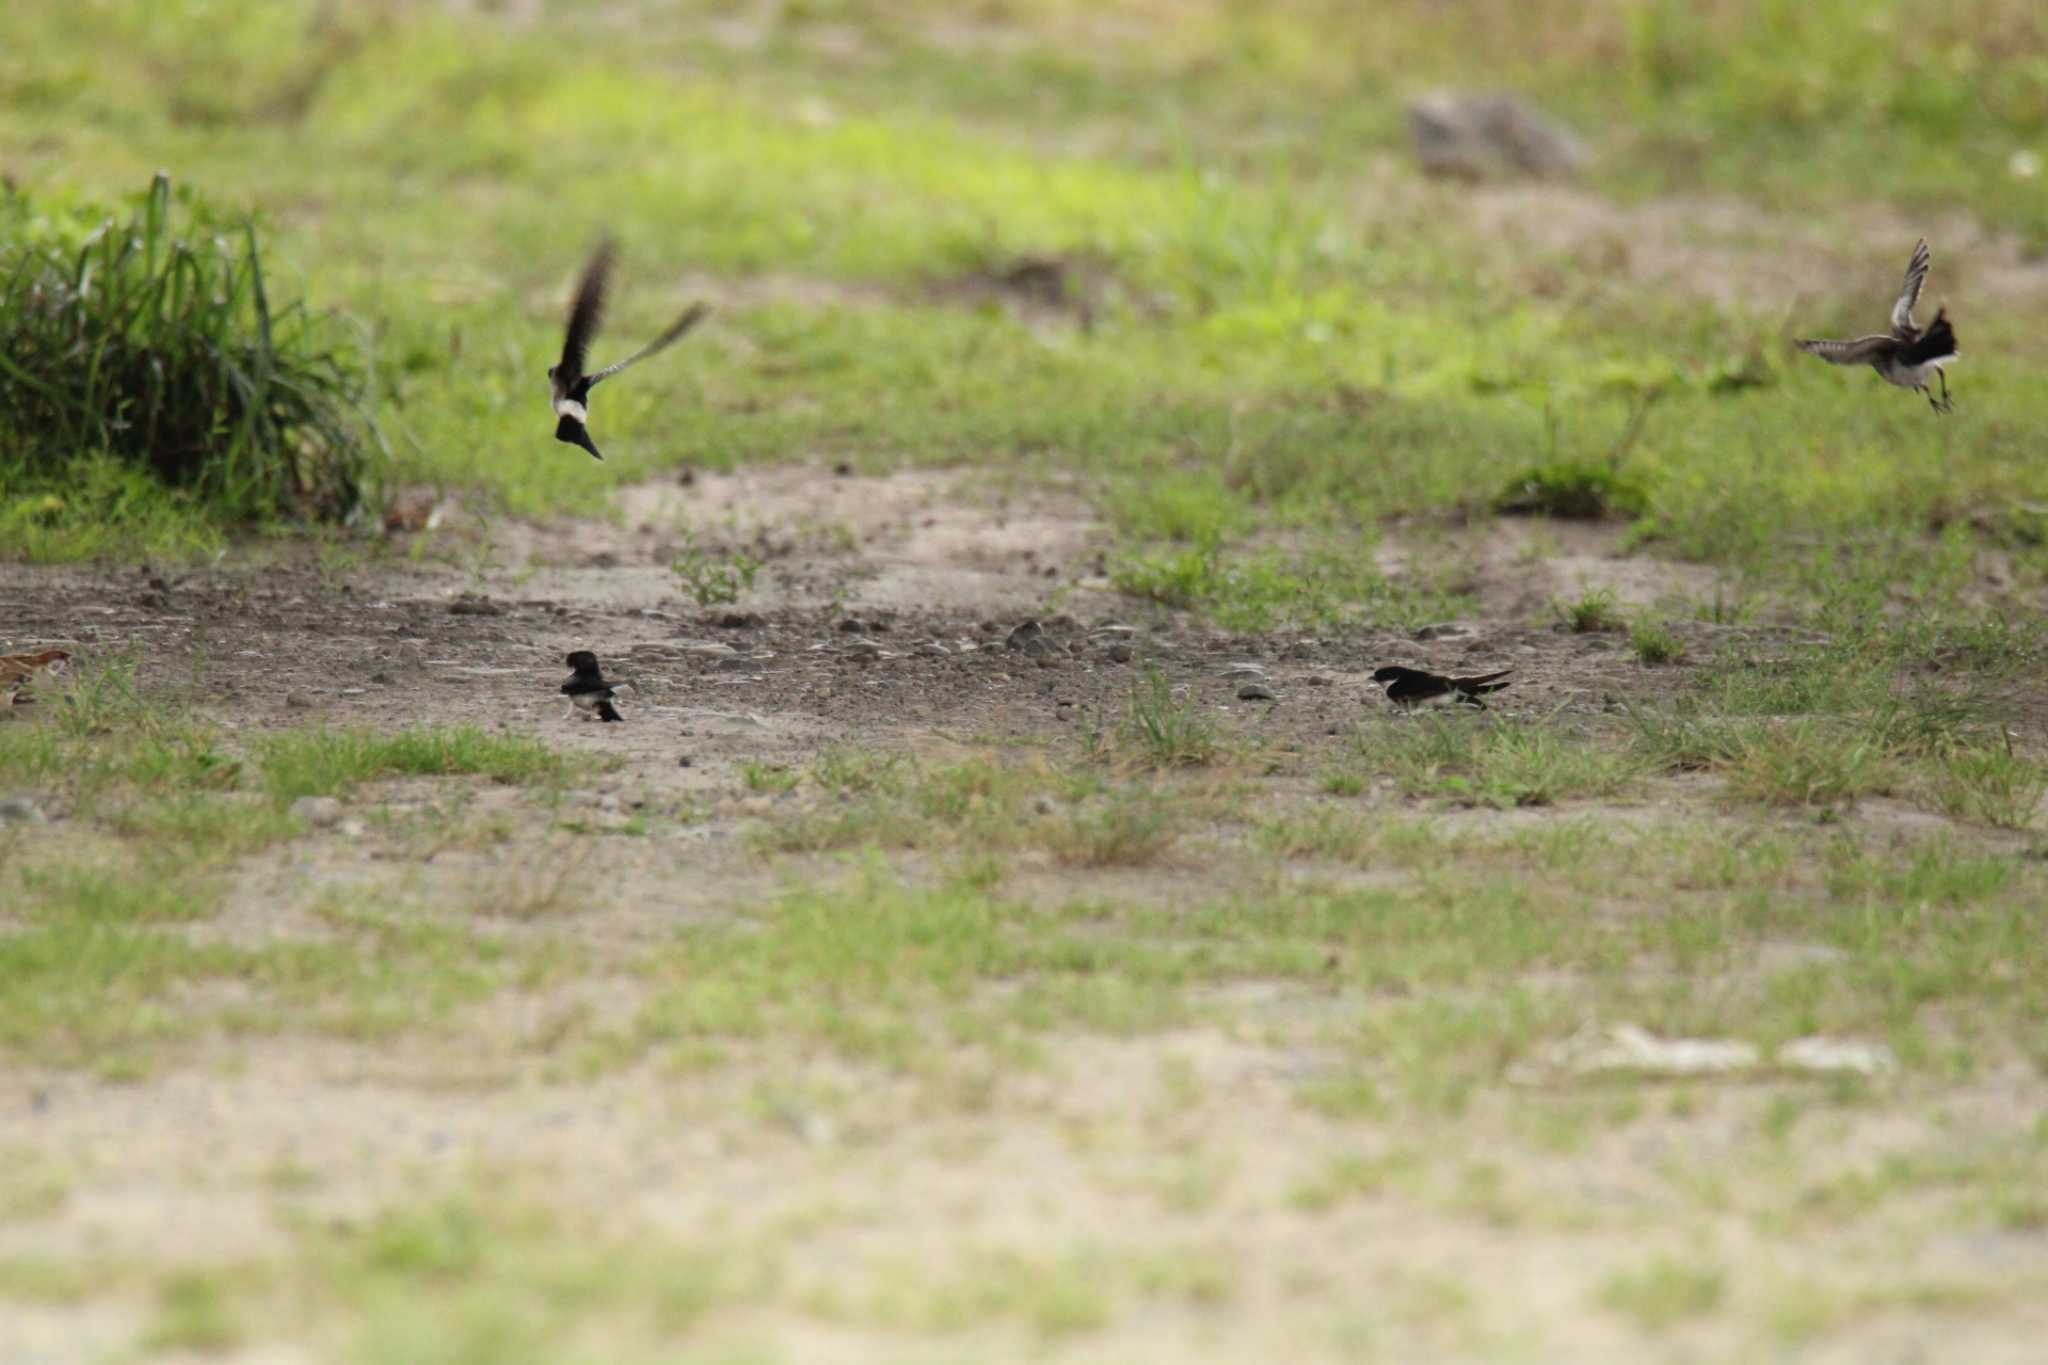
{"x": 880, "y": 623}
{"x": 882, "y": 618}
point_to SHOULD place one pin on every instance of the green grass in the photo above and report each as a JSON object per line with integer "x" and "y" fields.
{"x": 327, "y": 762}
{"x": 101, "y": 966}
{"x": 1576, "y": 492}
{"x": 102, "y": 974}
{"x": 712, "y": 580}
{"x": 193, "y": 1315}
{"x": 156, "y": 340}
{"x": 1655, "y": 642}
{"x": 1475, "y": 760}
{"x": 1247, "y": 370}
{"x": 1665, "y": 1292}
{"x": 1595, "y": 611}
{"x": 141, "y": 762}
{"x": 1161, "y": 728}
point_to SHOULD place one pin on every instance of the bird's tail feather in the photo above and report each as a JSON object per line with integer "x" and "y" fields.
{"x": 576, "y": 434}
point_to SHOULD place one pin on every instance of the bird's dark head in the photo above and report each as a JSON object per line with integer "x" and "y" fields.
{"x": 553, "y": 370}
{"x": 582, "y": 660}
{"x": 1389, "y": 673}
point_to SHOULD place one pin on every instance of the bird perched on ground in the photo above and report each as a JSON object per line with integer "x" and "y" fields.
{"x": 567, "y": 381}
{"x": 1907, "y": 355}
{"x": 18, "y": 673}
{"x": 587, "y": 689}
{"x": 1411, "y": 686}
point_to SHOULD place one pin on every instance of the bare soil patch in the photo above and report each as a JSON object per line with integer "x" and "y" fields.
{"x": 880, "y": 613}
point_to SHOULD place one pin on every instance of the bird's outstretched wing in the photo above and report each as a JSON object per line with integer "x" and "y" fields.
{"x": 1861, "y": 351}
{"x": 586, "y": 315}
{"x": 1909, "y": 293}
{"x": 690, "y": 318}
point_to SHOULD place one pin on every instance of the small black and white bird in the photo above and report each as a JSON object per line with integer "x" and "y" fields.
{"x": 587, "y": 689}
{"x": 1907, "y": 355}
{"x": 567, "y": 381}
{"x": 1412, "y": 687}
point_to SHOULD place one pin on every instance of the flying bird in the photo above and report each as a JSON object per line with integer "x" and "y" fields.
{"x": 567, "y": 380}
{"x": 1411, "y": 686}
{"x": 1906, "y": 355}
{"x": 587, "y": 689}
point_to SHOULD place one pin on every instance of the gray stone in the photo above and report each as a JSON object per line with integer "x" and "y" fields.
{"x": 317, "y": 812}
{"x": 1472, "y": 136}
{"x": 19, "y": 810}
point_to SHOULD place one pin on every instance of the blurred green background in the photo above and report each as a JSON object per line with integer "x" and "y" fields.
{"x": 1175, "y": 249}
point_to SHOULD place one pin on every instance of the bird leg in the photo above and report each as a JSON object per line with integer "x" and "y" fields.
{"x": 1947, "y": 405}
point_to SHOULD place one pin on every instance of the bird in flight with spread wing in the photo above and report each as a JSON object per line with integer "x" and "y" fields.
{"x": 1907, "y": 355}
{"x": 569, "y": 384}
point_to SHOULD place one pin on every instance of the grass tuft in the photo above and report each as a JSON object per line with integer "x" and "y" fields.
{"x": 711, "y": 579}
{"x": 1994, "y": 785}
{"x": 1577, "y": 492}
{"x": 1655, "y": 642}
{"x": 1593, "y": 612}
{"x": 1164, "y": 730}
{"x": 156, "y": 341}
